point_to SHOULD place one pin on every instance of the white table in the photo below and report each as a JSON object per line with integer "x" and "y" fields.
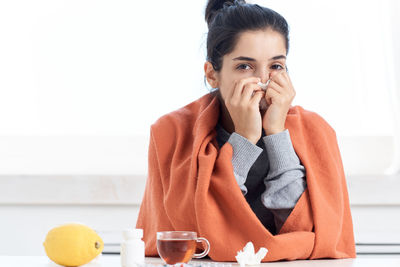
{"x": 114, "y": 261}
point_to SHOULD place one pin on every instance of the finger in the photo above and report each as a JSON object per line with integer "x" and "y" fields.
{"x": 292, "y": 91}
{"x": 288, "y": 78}
{"x": 288, "y": 90}
{"x": 237, "y": 91}
{"x": 271, "y": 95}
{"x": 274, "y": 85}
{"x": 248, "y": 91}
{"x": 280, "y": 98}
{"x": 258, "y": 95}
{"x": 280, "y": 79}
{"x": 286, "y": 75}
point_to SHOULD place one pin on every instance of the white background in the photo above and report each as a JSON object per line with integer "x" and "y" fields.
{"x": 108, "y": 67}
{"x": 104, "y": 71}
{"x": 82, "y": 81}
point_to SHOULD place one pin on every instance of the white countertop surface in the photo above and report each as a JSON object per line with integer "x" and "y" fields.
{"x": 114, "y": 261}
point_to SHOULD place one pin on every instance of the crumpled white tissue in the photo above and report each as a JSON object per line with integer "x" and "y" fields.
{"x": 248, "y": 257}
{"x": 264, "y": 86}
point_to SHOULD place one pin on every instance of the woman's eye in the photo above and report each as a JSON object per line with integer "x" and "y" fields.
{"x": 277, "y": 67}
{"x": 243, "y": 67}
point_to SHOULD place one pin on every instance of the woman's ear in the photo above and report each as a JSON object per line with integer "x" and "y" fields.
{"x": 211, "y": 74}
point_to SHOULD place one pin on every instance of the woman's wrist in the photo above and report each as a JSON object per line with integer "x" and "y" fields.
{"x": 252, "y": 139}
{"x": 274, "y": 130}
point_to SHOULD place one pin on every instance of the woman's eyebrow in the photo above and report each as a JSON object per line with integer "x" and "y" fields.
{"x": 252, "y": 59}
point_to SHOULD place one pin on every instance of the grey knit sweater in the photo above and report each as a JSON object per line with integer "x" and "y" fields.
{"x": 269, "y": 174}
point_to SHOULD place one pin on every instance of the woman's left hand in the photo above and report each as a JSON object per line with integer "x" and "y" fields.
{"x": 279, "y": 96}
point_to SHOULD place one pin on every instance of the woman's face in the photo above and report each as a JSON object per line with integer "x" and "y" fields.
{"x": 257, "y": 53}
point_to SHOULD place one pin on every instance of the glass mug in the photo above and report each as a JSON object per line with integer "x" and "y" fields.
{"x": 179, "y": 246}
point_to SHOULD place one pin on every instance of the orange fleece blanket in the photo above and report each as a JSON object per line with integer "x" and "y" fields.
{"x": 191, "y": 186}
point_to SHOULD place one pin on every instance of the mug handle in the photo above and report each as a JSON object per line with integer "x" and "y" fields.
{"x": 205, "y": 252}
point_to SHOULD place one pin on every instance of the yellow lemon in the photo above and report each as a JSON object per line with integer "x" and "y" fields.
{"x": 72, "y": 244}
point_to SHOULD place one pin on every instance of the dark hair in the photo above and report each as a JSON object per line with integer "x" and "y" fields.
{"x": 227, "y": 19}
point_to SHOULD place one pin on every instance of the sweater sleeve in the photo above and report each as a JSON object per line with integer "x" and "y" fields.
{"x": 244, "y": 155}
{"x": 285, "y": 181}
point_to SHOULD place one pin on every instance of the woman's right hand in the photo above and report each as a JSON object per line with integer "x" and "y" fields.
{"x": 243, "y": 107}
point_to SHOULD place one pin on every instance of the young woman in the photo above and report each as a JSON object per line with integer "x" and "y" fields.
{"x": 241, "y": 163}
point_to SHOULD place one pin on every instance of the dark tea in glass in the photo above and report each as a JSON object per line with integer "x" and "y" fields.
{"x": 179, "y": 246}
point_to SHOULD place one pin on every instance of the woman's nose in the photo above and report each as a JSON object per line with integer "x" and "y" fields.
{"x": 264, "y": 76}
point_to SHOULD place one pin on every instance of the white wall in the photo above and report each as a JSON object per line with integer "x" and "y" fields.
{"x": 81, "y": 81}
{"x": 106, "y": 68}
{"x": 24, "y": 227}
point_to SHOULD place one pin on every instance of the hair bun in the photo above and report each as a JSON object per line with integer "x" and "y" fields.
{"x": 213, "y": 6}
